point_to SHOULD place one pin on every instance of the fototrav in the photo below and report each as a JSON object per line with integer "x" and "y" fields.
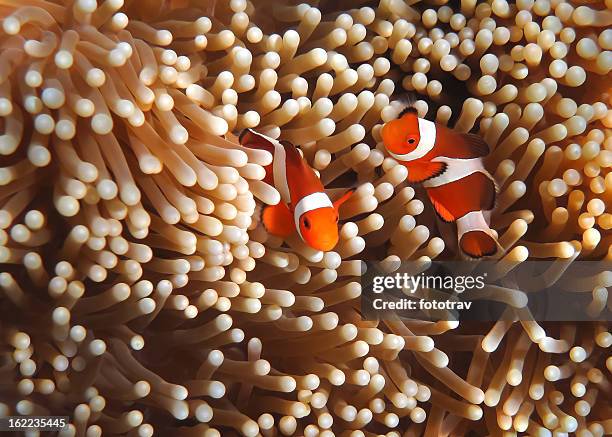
{"x": 412, "y": 283}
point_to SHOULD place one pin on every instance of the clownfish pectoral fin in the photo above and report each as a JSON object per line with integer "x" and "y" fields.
{"x": 476, "y": 144}
{"x": 278, "y": 220}
{"x": 420, "y": 172}
{"x": 346, "y": 196}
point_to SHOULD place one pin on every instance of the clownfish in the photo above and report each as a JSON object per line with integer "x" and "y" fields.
{"x": 449, "y": 166}
{"x": 304, "y": 205}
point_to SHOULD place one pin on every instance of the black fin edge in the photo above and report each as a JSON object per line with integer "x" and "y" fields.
{"x": 286, "y": 143}
{"x": 407, "y": 100}
{"x": 242, "y": 134}
{"x": 484, "y": 254}
{"x": 435, "y": 175}
{"x": 442, "y": 219}
{"x": 408, "y": 110}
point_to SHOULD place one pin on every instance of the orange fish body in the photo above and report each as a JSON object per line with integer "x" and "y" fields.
{"x": 304, "y": 205}
{"x": 449, "y": 165}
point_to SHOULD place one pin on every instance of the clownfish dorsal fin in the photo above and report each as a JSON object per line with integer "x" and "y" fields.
{"x": 256, "y": 140}
{"x": 476, "y": 144}
{"x": 407, "y": 101}
{"x": 294, "y": 158}
{"x": 408, "y": 110}
{"x": 290, "y": 148}
{"x": 249, "y": 135}
{"x": 242, "y": 135}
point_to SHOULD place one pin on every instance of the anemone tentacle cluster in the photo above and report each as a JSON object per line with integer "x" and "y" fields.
{"x": 138, "y": 293}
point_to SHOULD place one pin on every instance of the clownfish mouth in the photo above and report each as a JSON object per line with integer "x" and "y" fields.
{"x": 324, "y": 244}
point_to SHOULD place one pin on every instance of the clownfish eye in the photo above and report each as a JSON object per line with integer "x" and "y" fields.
{"x": 306, "y": 223}
{"x": 411, "y": 141}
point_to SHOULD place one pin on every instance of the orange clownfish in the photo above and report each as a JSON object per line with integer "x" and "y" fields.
{"x": 449, "y": 165}
{"x": 304, "y": 205}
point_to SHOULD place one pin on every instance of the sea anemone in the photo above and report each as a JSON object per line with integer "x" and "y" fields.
{"x": 139, "y": 294}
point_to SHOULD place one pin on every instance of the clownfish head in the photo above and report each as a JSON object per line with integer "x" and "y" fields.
{"x": 402, "y": 136}
{"x": 319, "y": 227}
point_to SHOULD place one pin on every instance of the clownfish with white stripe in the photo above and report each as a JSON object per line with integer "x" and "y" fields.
{"x": 449, "y": 166}
{"x": 304, "y": 208}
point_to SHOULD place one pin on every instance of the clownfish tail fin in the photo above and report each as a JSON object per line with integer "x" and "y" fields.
{"x": 477, "y": 244}
{"x": 476, "y": 239}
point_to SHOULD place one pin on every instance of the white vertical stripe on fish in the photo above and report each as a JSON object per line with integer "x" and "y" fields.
{"x": 427, "y": 133}
{"x": 309, "y": 203}
{"x": 279, "y": 166}
{"x": 473, "y": 221}
{"x": 456, "y": 169}
{"x": 279, "y": 171}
